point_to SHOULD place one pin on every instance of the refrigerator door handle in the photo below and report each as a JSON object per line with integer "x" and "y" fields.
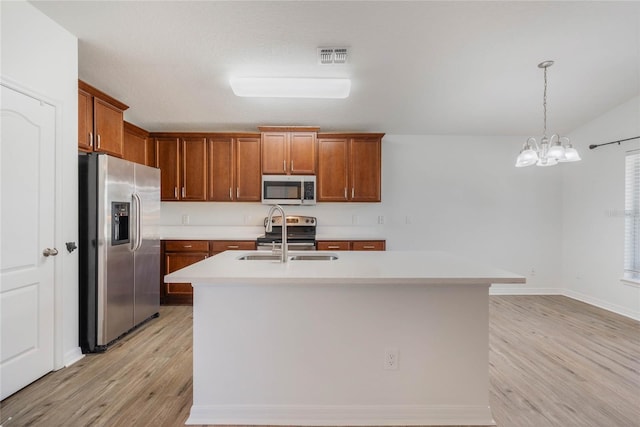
{"x": 137, "y": 240}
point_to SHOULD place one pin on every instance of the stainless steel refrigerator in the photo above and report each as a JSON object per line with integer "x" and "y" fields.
{"x": 119, "y": 248}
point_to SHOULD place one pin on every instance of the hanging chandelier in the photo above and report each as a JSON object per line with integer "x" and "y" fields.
{"x": 549, "y": 151}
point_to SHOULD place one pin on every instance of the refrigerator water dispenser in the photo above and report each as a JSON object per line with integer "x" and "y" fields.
{"x": 120, "y": 223}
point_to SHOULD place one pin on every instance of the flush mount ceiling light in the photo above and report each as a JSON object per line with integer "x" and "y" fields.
{"x": 548, "y": 152}
{"x": 281, "y": 87}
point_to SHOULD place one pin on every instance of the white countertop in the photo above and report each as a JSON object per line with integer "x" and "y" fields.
{"x": 367, "y": 267}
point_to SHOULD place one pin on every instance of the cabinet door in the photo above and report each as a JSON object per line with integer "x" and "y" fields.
{"x": 365, "y": 166}
{"x": 135, "y": 147}
{"x": 167, "y": 159}
{"x": 193, "y": 168}
{"x": 108, "y": 123}
{"x": 332, "y": 176}
{"x": 248, "y": 175}
{"x": 302, "y": 153}
{"x": 85, "y": 121}
{"x": 180, "y": 293}
{"x": 274, "y": 153}
{"x": 221, "y": 170}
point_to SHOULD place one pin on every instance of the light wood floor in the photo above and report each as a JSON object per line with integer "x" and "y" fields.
{"x": 554, "y": 362}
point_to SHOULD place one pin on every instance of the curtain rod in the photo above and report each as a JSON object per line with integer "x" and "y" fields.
{"x": 592, "y": 146}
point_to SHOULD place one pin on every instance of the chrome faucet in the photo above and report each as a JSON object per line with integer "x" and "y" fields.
{"x": 283, "y": 252}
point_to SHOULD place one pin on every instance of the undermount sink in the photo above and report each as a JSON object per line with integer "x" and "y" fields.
{"x": 305, "y": 257}
{"x": 260, "y": 257}
{"x": 310, "y": 257}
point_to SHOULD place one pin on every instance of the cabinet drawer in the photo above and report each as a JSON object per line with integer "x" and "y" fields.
{"x": 338, "y": 245}
{"x": 232, "y": 245}
{"x": 368, "y": 245}
{"x": 186, "y": 246}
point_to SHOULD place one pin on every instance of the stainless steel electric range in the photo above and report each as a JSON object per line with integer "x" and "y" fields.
{"x": 301, "y": 233}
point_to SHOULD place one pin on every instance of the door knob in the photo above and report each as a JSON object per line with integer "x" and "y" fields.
{"x": 50, "y": 252}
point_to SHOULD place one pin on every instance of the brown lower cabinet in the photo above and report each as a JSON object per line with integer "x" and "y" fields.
{"x": 177, "y": 254}
{"x": 351, "y": 245}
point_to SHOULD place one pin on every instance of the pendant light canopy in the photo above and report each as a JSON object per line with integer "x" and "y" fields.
{"x": 550, "y": 150}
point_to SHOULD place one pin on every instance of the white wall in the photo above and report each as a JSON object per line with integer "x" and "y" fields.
{"x": 455, "y": 193}
{"x": 41, "y": 57}
{"x": 463, "y": 194}
{"x": 593, "y": 205}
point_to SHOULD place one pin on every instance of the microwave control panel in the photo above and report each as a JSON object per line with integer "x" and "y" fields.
{"x": 309, "y": 190}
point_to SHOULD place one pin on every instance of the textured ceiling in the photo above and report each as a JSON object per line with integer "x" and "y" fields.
{"x": 417, "y": 67}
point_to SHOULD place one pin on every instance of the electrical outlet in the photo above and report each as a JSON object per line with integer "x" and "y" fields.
{"x": 380, "y": 219}
{"x": 391, "y": 356}
{"x": 355, "y": 220}
{"x": 185, "y": 219}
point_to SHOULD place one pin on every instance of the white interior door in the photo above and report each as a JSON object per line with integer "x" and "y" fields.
{"x": 27, "y": 155}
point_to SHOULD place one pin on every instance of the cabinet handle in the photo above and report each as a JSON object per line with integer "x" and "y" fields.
{"x": 291, "y": 165}
{"x": 232, "y": 246}
{"x": 187, "y": 246}
{"x": 368, "y": 247}
{"x": 175, "y": 192}
{"x": 98, "y": 140}
{"x": 284, "y": 165}
{"x": 333, "y": 247}
{"x": 91, "y": 139}
{"x": 345, "y": 193}
{"x": 237, "y": 192}
{"x": 353, "y": 192}
{"x": 183, "y": 192}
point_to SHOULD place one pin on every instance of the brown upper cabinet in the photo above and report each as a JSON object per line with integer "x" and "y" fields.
{"x": 183, "y": 167}
{"x": 100, "y": 121}
{"x": 288, "y": 150}
{"x": 234, "y": 168}
{"x": 349, "y": 167}
{"x": 138, "y": 146}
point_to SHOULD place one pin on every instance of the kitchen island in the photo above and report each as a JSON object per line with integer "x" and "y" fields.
{"x": 369, "y": 338}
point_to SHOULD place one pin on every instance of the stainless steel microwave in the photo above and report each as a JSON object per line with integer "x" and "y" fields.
{"x": 289, "y": 189}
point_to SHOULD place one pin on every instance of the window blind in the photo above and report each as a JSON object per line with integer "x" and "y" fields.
{"x": 632, "y": 215}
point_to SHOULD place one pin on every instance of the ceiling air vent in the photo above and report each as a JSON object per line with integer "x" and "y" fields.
{"x": 340, "y": 55}
{"x": 332, "y": 55}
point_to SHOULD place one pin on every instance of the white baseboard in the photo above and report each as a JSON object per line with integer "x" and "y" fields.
{"x": 518, "y": 290}
{"x": 72, "y": 356}
{"x": 623, "y": 311}
{"x": 340, "y": 415}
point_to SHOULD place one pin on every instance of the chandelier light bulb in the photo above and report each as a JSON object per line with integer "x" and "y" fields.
{"x": 570, "y": 153}
{"x": 556, "y": 150}
{"x": 528, "y": 155}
